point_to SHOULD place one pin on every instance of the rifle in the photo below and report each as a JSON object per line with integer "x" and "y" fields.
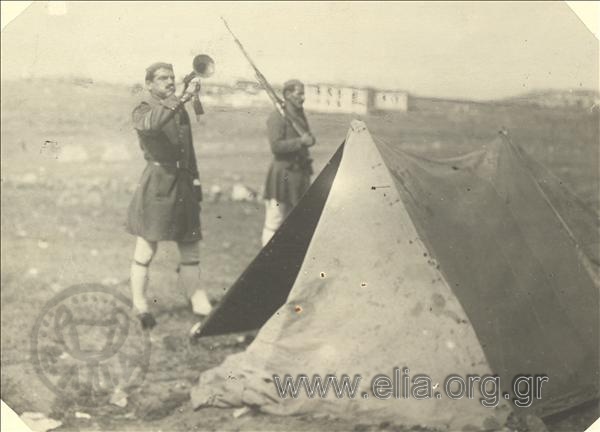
{"x": 266, "y": 86}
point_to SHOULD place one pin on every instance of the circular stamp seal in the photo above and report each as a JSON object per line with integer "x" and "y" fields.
{"x": 86, "y": 344}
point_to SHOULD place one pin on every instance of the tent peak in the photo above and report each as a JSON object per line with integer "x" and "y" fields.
{"x": 358, "y": 125}
{"x": 503, "y": 132}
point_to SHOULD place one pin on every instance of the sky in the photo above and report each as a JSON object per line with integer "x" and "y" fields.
{"x": 471, "y": 50}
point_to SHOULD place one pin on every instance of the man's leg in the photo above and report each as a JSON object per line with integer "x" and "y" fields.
{"x": 142, "y": 257}
{"x": 189, "y": 277}
{"x": 275, "y": 214}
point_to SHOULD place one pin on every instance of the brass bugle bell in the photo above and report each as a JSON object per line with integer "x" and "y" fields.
{"x": 203, "y": 65}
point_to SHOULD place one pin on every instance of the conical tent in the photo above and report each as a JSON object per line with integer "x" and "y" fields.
{"x": 479, "y": 266}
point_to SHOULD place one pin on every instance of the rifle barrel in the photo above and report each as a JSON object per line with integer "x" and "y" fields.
{"x": 265, "y": 84}
{"x": 239, "y": 44}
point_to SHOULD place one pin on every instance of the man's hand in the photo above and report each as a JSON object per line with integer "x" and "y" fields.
{"x": 194, "y": 86}
{"x": 198, "y": 190}
{"x": 192, "y": 89}
{"x": 307, "y": 139}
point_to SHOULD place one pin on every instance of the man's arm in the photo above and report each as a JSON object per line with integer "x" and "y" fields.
{"x": 276, "y": 132}
{"x": 151, "y": 119}
{"x": 193, "y": 163}
{"x": 194, "y": 170}
{"x": 196, "y": 182}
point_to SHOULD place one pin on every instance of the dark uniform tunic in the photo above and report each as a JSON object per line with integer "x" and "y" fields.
{"x": 164, "y": 206}
{"x": 289, "y": 174}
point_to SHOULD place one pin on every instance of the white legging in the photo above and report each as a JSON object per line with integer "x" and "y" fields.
{"x": 189, "y": 274}
{"x": 275, "y": 214}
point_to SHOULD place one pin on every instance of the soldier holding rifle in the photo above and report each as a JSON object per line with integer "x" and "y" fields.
{"x": 289, "y": 135}
{"x": 166, "y": 204}
{"x": 289, "y": 174}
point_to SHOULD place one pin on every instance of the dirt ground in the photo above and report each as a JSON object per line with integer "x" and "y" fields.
{"x": 62, "y": 225}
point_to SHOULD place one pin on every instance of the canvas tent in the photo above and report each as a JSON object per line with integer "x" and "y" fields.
{"x": 483, "y": 264}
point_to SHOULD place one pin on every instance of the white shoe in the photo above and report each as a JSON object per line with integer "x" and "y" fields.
{"x": 200, "y": 303}
{"x": 195, "y": 330}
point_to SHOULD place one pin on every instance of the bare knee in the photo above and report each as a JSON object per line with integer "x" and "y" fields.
{"x": 189, "y": 253}
{"x": 144, "y": 252}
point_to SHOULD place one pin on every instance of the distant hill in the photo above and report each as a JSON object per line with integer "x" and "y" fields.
{"x": 579, "y": 98}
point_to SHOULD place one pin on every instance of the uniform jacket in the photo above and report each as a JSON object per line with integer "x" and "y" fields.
{"x": 164, "y": 206}
{"x": 289, "y": 174}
